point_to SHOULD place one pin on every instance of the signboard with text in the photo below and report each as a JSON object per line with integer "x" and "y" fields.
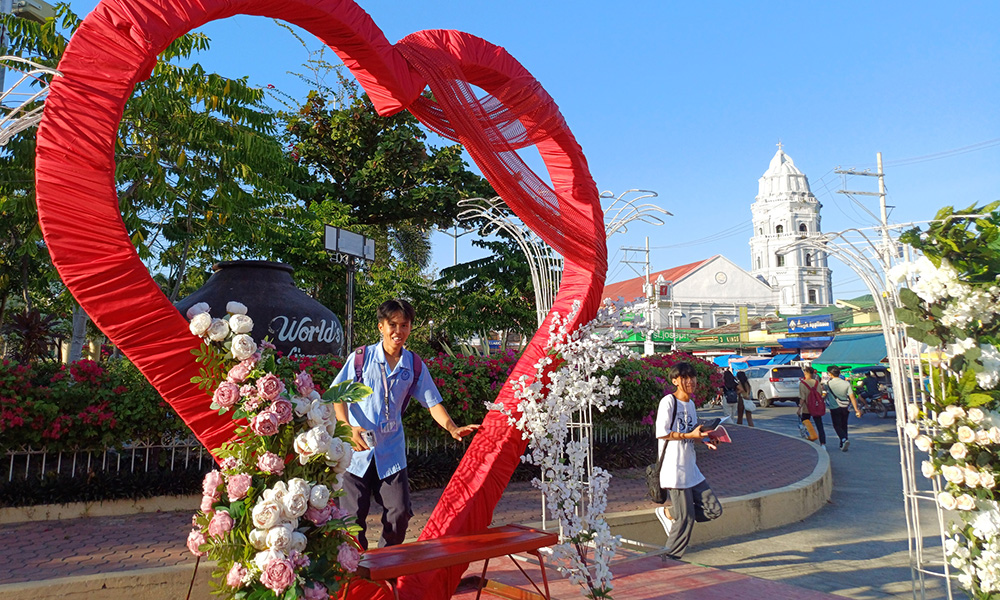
{"x": 810, "y": 324}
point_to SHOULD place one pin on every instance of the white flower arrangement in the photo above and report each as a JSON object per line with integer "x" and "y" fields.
{"x": 566, "y": 382}
{"x": 272, "y": 525}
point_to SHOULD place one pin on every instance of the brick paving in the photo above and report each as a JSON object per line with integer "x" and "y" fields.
{"x": 757, "y": 461}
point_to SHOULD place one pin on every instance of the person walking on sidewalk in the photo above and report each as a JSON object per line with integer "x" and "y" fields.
{"x": 691, "y": 498}
{"x": 810, "y": 385}
{"x": 746, "y": 405}
{"x": 839, "y": 396}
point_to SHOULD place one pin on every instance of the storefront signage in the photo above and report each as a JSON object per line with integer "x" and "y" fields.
{"x": 810, "y": 324}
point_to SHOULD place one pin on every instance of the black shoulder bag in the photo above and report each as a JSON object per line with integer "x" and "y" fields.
{"x": 656, "y": 493}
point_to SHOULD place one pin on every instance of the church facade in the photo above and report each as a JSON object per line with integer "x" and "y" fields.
{"x": 781, "y": 280}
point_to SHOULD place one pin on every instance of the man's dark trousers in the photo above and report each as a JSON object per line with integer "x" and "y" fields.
{"x": 393, "y": 493}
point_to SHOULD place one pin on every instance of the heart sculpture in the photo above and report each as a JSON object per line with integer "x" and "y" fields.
{"x": 116, "y": 47}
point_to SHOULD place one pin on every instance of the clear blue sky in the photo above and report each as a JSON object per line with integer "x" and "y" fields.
{"x": 689, "y": 99}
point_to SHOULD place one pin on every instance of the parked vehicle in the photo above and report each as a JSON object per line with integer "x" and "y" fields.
{"x": 874, "y": 397}
{"x": 771, "y": 383}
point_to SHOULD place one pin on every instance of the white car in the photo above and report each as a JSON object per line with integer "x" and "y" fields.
{"x": 776, "y": 382}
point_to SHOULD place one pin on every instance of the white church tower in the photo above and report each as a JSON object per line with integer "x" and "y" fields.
{"x": 785, "y": 210}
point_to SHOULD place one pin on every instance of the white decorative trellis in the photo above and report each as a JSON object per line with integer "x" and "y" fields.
{"x": 21, "y": 103}
{"x": 870, "y": 253}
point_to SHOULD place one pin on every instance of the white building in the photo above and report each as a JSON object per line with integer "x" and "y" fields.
{"x": 711, "y": 292}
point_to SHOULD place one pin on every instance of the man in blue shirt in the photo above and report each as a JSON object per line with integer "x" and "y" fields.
{"x": 379, "y": 464}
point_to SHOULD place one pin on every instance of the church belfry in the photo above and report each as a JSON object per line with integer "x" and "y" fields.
{"x": 784, "y": 210}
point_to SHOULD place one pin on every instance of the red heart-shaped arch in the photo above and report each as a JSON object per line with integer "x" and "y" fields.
{"x": 116, "y": 47}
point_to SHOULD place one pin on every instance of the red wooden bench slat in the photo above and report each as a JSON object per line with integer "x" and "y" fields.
{"x": 416, "y": 557}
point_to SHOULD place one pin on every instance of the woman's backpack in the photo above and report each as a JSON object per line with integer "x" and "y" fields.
{"x": 814, "y": 401}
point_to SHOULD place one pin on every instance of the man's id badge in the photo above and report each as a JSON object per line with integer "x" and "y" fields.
{"x": 389, "y": 427}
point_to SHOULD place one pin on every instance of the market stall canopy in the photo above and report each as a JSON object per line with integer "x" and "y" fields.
{"x": 782, "y": 359}
{"x": 723, "y": 361}
{"x": 853, "y": 350}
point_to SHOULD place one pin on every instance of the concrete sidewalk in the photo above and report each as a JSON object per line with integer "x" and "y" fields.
{"x": 49, "y": 558}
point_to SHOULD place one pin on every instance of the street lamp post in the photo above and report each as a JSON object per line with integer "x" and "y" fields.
{"x": 673, "y": 314}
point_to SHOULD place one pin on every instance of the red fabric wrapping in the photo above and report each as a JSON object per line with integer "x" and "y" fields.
{"x": 116, "y": 47}
{"x": 567, "y": 216}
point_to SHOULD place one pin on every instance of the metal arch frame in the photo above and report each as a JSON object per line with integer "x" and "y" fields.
{"x": 628, "y": 211}
{"x": 870, "y": 260}
{"x": 16, "y": 119}
{"x": 545, "y": 265}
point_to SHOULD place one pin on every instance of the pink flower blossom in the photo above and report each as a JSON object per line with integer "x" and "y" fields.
{"x": 336, "y": 512}
{"x": 228, "y": 464}
{"x": 208, "y": 504}
{"x": 298, "y": 559}
{"x": 234, "y": 578}
{"x": 316, "y": 591}
{"x": 278, "y": 575}
{"x": 237, "y": 486}
{"x": 283, "y": 409}
{"x": 270, "y": 386}
{"x": 194, "y": 542}
{"x": 210, "y": 485}
{"x": 304, "y": 383}
{"x": 227, "y": 394}
{"x": 220, "y": 525}
{"x": 268, "y": 345}
{"x": 319, "y": 516}
{"x": 252, "y": 403}
{"x": 265, "y": 423}
{"x": 240, "y": 372}
{"x": 269, "y": 462}
{"x": 348, "y": 557}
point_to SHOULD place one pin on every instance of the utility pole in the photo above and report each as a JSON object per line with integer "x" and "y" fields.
{"x": 647, "y": 291}
{"x": 883, "y": 218}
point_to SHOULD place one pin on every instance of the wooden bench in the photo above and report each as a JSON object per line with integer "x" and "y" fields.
{"x": 389, "y": 563}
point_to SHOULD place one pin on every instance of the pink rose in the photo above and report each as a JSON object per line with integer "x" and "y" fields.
{"x": 319, "y": 516}
{"x": 208, "y": 504}
{"x": 265, "y": 423}
{"x": 228, "y": 464}
{"x": 270, "y": 387}
{"x": 316, "y": 591}
{"x": 348, "y": 557}
{"x": 240, "y": 372}
{"x": 304, "y": 383}
{"x": 278, "y": 575}
{"x": 336, "y": 512}
{"x": 226, "y": 395}
{"x": 234, "y": 578}
{"x": 252, "y": 403}
{"x": 210, "y": 485}
{"x": 220, "y": 525}
{"x": 269, "y": 462}
{"x": 267, "y": 344}
{"x": 237, "y": 486}
{"x": 194, "y": 542}
{"x": 298, "y": 559}
{"x": 284, "y": 410}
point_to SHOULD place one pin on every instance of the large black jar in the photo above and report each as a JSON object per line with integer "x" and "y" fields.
{"x": 295, "y": 323}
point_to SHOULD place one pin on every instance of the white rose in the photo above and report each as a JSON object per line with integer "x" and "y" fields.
{"x": 911, "y": 430}
{"x": 947, "y": 501}
{"x": 279, "y": 538}
{"x": 236, "y": 308}
{"x": 337, "y": 483}
{"x": 218, "y": 331}
{"x": 299, "y": 541}
{"x": 276, "y": 492}
{"x": 313, "y": 442}
{"x": 263, "y": 558}
{"x": 297, "y": 485}
{"x": 953, "y": 473}
{"x": 243, "y": 347}
{"x": 971, "y": 477}
{"x": 201, "y": 307}
{"x": 965, "y": 502}
{"x": 320, "y": 413}
{"x": 314, "y": 395}
{"x": 923, "y": 443}
{"x": 240, "y": 324}
{"x": 300, "y": 404}
{"x": 966, "y": 435}
{"x": 335, "y": 453}
{"x": 294, "y": 505}
{"x": 976, "y": 414}
{"x": 986, "y": 480}
{"x": 266, "y": 514}
{"x": 927, "y": 468}
{"x": 958, "y": 451}
{"x": 983, "y": 437}
{"x": 946, "y": 419}
{"x": 200, "y": 323}
{"x": 995, "y": 434}
{"x": 258, "y": 539}
{"x": 319, "y": 496}
{"x": 957, "y": 411}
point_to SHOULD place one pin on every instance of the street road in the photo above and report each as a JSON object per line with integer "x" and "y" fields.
{"x": 856, "y": 546}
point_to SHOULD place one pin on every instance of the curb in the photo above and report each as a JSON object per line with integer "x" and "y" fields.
{"x": 104, "y": 508}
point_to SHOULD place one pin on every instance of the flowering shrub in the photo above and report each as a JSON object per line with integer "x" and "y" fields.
{"x": 269, "y": 516}
{"x": 569, "y": 380}
{"x": 645, "y": 379}
{"x": 951, "y": 304}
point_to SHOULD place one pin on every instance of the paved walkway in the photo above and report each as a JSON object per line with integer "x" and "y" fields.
{"x": 32, "y": 552}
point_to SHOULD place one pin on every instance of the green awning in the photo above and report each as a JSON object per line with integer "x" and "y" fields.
{"x": 853, "y": 350}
